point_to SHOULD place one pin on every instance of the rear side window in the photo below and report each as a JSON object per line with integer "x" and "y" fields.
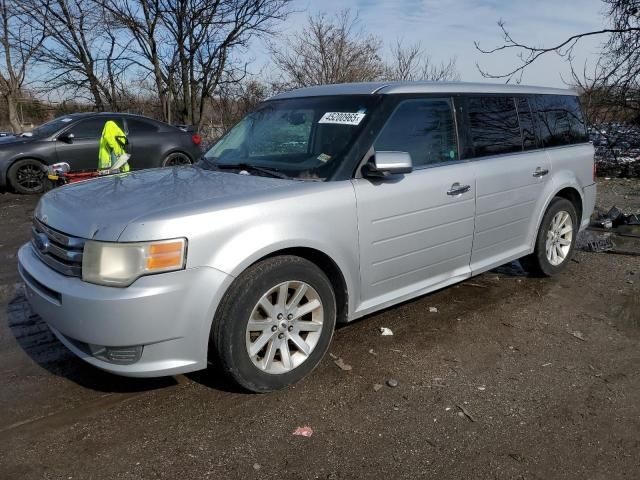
{"x": 493, "y": 122}
{"x": 141, "y": 126}
{"x": 527, "y": 128}
{"x": 92, "y": 127}
{"x": 560, "y": 120}
{"x": 424, "y": 128}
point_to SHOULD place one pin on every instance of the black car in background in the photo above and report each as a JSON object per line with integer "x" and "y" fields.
{"x": 75, "y": 139}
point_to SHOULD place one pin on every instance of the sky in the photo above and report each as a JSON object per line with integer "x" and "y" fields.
{"x": 448, "y": 28}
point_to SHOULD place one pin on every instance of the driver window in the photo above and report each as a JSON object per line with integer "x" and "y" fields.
{"x": 423, "y": 127}
{"x": 91, "y": 128}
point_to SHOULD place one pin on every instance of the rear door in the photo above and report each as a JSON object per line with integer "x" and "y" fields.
{"x": 415, "y": 232}
{"x": 82, "y": 152}
{"x": 510, "y": 176}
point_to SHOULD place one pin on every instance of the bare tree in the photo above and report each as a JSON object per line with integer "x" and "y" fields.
{"x": 619, "y": 66}
{"x": 412, "y": 63}
{"x": 82, "y": 52}
{"x": 190, "y": 46}
{"x": 19, "y": 44}
{"x": 328, "y": 50}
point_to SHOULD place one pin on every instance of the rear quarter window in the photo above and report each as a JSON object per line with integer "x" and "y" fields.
{"x": 560, "y": 120}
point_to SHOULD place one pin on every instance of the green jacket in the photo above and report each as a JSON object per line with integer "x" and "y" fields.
{"x": 110, "y": 146}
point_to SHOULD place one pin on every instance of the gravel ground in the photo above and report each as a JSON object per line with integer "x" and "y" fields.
{"x": 621, "y": 192}
{"x": 512, "y": 377}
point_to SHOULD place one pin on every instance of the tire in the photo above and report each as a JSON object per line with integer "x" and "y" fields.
{"x": 550, "y": 261}
{"x": 26, "y": 176}
{"x": 176, "y": 159}
{"x": 279, "y": 362}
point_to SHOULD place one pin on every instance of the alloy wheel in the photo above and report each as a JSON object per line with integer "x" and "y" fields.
{"x": 29, "y": 177}
{"x": 559, "y": 238}
{"x": 284, "y": 327}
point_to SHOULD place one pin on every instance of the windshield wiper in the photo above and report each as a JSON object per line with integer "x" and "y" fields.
{"x": 248, "y": 167}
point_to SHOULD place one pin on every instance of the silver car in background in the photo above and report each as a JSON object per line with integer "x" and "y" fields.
{"x": 324, "y": 205}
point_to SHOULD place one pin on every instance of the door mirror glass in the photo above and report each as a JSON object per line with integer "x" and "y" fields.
{"x": 384, "y": 164}
{"x": 67, "y": 137}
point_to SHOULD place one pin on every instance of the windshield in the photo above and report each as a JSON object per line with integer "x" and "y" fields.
{"x": 303, "y": 138}
{"x": 51, "y": 127}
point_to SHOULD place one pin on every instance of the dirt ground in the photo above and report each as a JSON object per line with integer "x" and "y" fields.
{"x": 512, "y": 378}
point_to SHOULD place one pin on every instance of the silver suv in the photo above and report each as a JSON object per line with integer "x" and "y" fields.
{"x": 324, "y": 205}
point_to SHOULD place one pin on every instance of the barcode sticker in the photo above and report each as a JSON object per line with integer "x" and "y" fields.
{"x": 342, "y": 118}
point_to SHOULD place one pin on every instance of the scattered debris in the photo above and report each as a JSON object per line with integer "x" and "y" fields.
{"x": 578, "y": 335}
{"x": 546, "y": 364}
{"x": 471, "y": 284}
{"x": 343, "y": 366}
{"x": 384, "y": 331}
{"x": 340, "y": 363}
{"x": 438, "y": 382}
{"x": 305, "y": 431}
{"x": 592, "y": 241}
{"x": 392, "y": 382}
{"x": 377, "y": 387}
{"x": 517, "y": 457}
{"x": 433, "y": 310}
{"x": 465, "y": 412}
{"x": 256, "y": 466}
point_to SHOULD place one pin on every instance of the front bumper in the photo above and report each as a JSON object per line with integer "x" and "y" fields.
{"x": 169, "y": 315}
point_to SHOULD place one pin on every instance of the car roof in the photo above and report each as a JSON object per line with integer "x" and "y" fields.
{"x": 390, "y": 88}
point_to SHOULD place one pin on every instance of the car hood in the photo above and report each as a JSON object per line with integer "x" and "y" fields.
{"x": 101, "y": 208}
{"x": 13, "y": 140}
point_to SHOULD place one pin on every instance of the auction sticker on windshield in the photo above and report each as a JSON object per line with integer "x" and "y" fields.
{"x": 342, "y": 118}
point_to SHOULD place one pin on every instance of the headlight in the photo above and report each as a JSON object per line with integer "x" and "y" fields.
{"x": 120, "y": 264}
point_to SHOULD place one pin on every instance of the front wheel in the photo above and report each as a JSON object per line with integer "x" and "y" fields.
{"x": 26, "y": 176}
{"x": 555, "y": 241}
{"x": 275, "y": 324}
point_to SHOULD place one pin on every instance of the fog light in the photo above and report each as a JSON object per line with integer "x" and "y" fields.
{"x": 117, "y": 355}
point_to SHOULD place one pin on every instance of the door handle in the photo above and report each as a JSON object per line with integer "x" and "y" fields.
{"x": 540, "y": 172}
{"x": 457, "y": 189}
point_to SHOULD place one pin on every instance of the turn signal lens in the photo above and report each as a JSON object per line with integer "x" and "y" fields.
{"x": 165, "y": 255}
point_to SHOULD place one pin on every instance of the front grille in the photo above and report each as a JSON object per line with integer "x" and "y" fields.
{"x": 59, "y": 251}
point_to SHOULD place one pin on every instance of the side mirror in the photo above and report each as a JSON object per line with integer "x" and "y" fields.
{"x": 67, "y": 137}
{"x": 384, "y": 164}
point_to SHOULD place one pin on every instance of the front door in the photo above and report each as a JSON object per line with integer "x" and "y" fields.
{"x": 416, "y": 230}
{"x": 82, "y": 152}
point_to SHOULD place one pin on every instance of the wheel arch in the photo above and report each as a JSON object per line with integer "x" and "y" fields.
{"x": 573, "y": 195}
{"x": 329, "y": 267}
{"x": 567, "y": 190}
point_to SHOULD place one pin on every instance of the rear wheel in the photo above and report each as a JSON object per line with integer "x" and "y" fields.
{"x": 275, "y": 324}
{"x": 26, "y": 176}
{"x": 176, "y": 159}
{"x": 555, "y": 241}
